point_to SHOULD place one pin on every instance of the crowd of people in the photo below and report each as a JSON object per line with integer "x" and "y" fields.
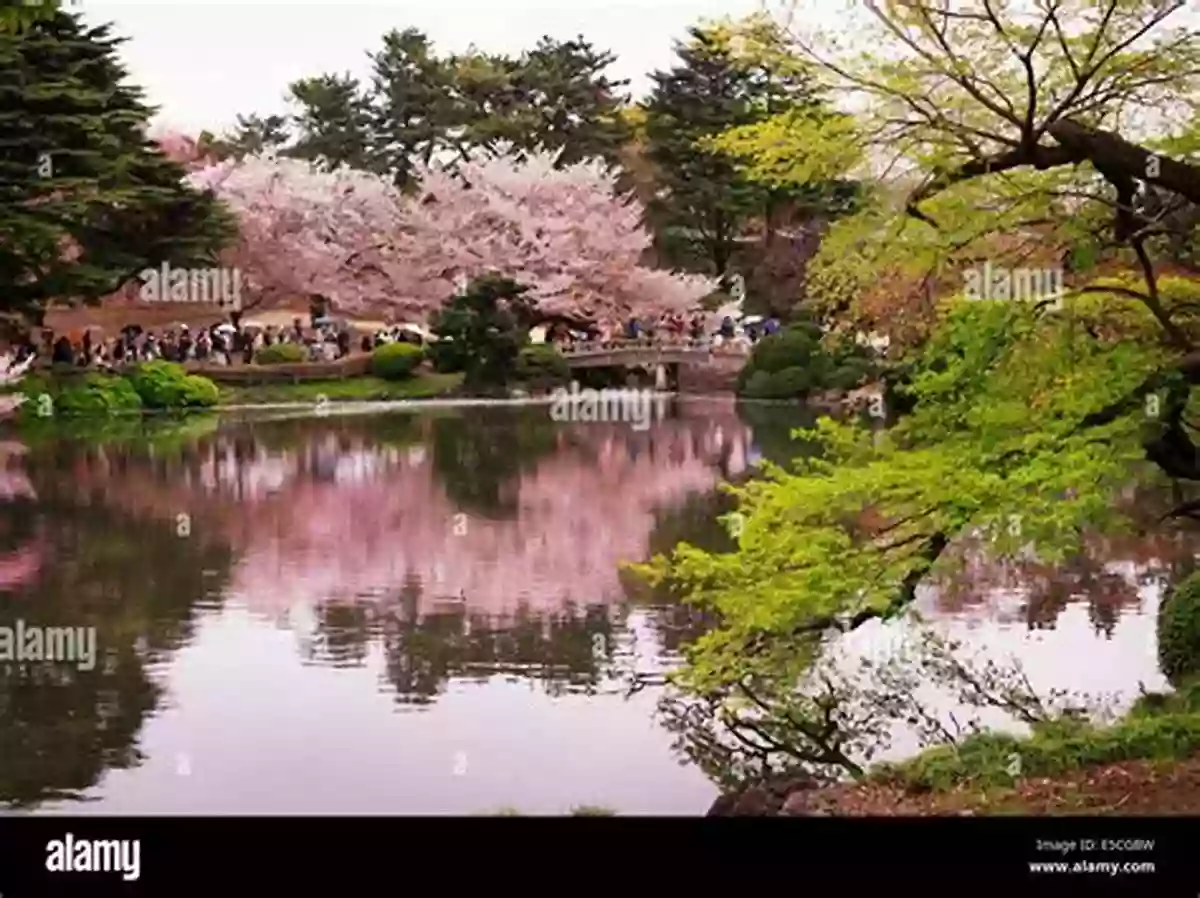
{"x": 668, "y": 328}
{"x": 230, "y": 343}
{"x": 222, "y": 343}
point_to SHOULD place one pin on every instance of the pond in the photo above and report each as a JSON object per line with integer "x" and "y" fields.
{"x": 415, "y": 611}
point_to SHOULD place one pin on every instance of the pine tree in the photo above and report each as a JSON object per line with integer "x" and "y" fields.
{"x": 86, "y": 199}
{"x": 728, "y": 76}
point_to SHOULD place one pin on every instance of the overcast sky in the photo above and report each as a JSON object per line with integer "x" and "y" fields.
{"x": 205, "y": 61}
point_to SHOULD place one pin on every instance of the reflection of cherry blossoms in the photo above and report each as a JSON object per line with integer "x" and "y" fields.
{"x": 10, "y": 373}
{"x": 1110, "y": 575}
{"x": 341, "y": 518}
{"x": 370, "y": 530}
{"x": 22, "y": 565}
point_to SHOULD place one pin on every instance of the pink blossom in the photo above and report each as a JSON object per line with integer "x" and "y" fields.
{"x": 567, "y": 234}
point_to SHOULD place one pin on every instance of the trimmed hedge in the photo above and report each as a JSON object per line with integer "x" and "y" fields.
{"x": 793, "y": 363}
{"x": 396, "y": 361}
{"x": 1179, "y": 631}
{"x": 542, "y": 363}
{"x": 97, "y": 394}
{"x": 790, "y": 383}
{"x": 154, "y": 385}
{"x": 166, "y": 385}
{"x": 280, "y": 354}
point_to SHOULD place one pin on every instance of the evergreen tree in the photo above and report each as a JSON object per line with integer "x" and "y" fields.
{"x": 569, "y": 105}
{"x": 86, "y": 200}
{"x": 727, "y": 77}
{"x": 412, "y": 104}
{"x": 481, "y": 331}
{"x": 334, "y": 122}
{"x": 553, "y": 98}
{"x": 252, "y": 135}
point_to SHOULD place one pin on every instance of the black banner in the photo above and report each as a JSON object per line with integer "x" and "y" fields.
{"x": 44, "y": 856}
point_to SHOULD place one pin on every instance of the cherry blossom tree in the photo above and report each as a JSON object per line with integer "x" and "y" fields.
{"x": 303, "y": 231}
{"x": 11, "y": 372}
{"x": 567, "y": 234}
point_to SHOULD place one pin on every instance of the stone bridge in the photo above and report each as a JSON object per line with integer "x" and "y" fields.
{"x": 688, "y": 367}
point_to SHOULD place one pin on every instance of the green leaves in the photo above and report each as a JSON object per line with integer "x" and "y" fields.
{"x": 85, "y": 200}
{"x": 482, "y": 331}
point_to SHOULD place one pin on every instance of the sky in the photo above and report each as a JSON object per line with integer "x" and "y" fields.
{"x": 205, "y": 61}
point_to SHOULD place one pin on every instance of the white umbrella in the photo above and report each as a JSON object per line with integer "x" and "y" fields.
{"x": 226, "y": 329}
{"x": 752, "y": 319}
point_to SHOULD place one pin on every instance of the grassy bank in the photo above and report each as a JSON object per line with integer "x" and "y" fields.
{"x": 357, "y": 389}
{"x": 1147, "y": 763}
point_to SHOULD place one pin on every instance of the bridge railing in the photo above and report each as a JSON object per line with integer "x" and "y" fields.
{"x": 603, "y": 347}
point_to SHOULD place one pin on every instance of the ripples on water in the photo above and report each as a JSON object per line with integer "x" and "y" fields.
{"x": 418, "y": 612}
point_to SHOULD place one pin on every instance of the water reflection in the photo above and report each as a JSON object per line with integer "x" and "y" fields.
{"x": 426, "y": 549}
{"x": 462, "y": 565}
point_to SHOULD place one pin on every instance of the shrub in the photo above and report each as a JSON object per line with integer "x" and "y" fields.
{"x": 280, "y": 354}
{"x": 166, "y": 385}
{"x": 799, "y": 347}
{"x": 96, "y": 394}
{"x": 542, "y": 363}
{"x": 849, "y": 375}
{"x": 396, "y": 361}
{"x": 200, "y": 392}
{"x": 790, "y": 383}
{"x": 1179, "y": 631}
{"x": 1052, "y": 750}
{"x": 784, "y": 349}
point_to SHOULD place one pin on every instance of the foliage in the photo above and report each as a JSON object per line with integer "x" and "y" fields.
{"x": 994, "y": 449}
{"x": 167, "y": 386}
{"x": 553, "y": 98}
{"x": 941, "y": 101}
{"x": 481, "y": 331}
{"x": 396, "y": 361}
{"x": 792, "y": 363}
{"x": 1179, "y": 631}
{"x": 833, "y": 720}
{"x": 987, "y": 759}
{"x": 95, "y": 394}
{"x": 729, "y": 74}
{"x": 353, "y": 389}
{"x": 789, "y": 383}
{"x": 542, "y": 364}
{"x": 162, "y": 433}
{"x": 280, "y": 354}
{"x": 1185, "y": 700}
{"x": 107, "y": 204}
